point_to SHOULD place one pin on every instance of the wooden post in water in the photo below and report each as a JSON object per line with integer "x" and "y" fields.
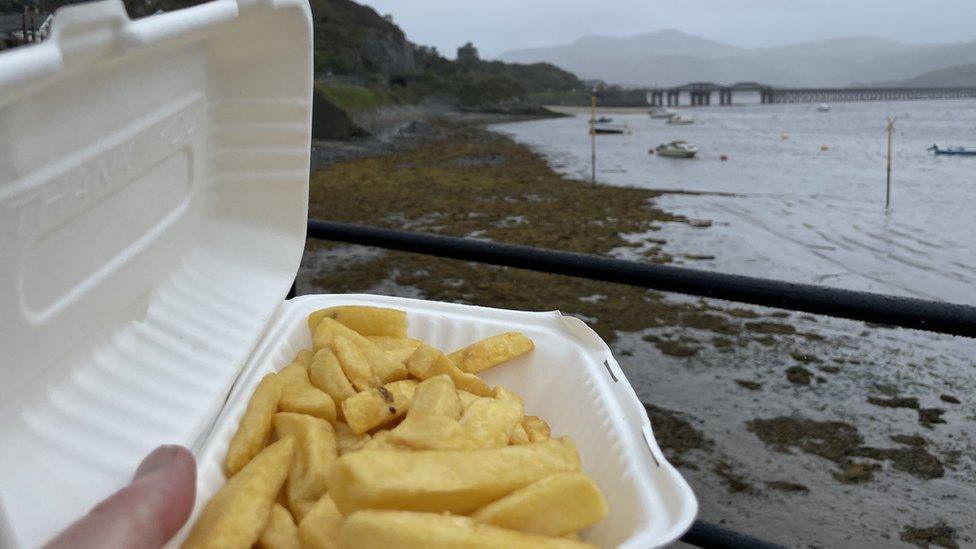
{"x": 891, "y": 132}
{"x": 593, "y": 138}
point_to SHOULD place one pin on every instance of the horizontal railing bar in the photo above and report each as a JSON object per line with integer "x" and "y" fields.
{"x": 712, "y": 536}
{"x": 906, "y": 312}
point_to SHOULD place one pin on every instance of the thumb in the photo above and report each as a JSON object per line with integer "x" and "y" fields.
{"x": 147, "y": 513}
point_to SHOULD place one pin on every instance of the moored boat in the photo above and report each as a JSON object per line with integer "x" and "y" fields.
{"x": 956, "y": 151}
{"x": 660, "y": 113}
{"x": 606, "y": 127}
{"x": 823, "y": 107}
{"x": 680, "y": 120}
{"x": 677, "y": 149}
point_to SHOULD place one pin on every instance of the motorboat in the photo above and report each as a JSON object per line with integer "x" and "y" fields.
{"x": 601, "y": 120}
{"x": 677, "y": 149}
{"x": 608, "y": 127}
{"x": 680, "y": 120}
{"x": 957, "y": 151}
{"x": 660, "y": 113}
{"x": 823, "y": 107}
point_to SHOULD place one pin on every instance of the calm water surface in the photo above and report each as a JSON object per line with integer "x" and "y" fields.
{"x": 799, "y": 212}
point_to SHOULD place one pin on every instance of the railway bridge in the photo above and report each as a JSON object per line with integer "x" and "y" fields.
{"x": 700, "y": 93}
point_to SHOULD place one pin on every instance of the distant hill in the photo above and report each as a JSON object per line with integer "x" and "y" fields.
{"x": 956, "y": 75}
{"x": 673, "y": 57}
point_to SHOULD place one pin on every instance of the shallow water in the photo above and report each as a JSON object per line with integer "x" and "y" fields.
{"x": 798, "y": 212}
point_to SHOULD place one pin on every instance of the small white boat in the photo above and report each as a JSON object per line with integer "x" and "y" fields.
{"x": 677, "y": 149}
{"x": 680, "y": 120}
{"x": 660, "y": 113}
{"x": 952, "y": 151}
{"x": 823, "y": 108}
{"x": 606, "y": 127}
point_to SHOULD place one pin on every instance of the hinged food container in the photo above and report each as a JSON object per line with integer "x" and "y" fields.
{"x": 153, "y": 201}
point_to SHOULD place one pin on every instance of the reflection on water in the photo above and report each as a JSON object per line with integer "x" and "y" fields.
{"x": 800, "y": 212}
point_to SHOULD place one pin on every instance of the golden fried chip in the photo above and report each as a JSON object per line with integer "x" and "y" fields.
{"x": 349, "y": 441}
{"x": 252, "y": 433}
{"x": 519, "y": 436}
{"x": 315, "y": 451}
{"x": 326, "y": 374}
{"x": 368, "y": 321}
{"x": 292, "y": 374}
{"x": 431, "y": 432}
{"x": 307, "y": 399}
{"x": 385, "y": 367}
{"x": 455, "y": 481}
{"x": 400, "y": 348}
{"x": 427, "y": 362}
{"x": 536, "y": 428}
{"x": 490, "y": 422}
{"x": 467, "y": 398}
{"x": 436, "y": 395}
{"x": 370, "y": 529}
{"x": 281, "y": 532}
{"x": 238, "y": 512}
{"x": 382, "y": 440}
{"x": 320, "y": 527}
{"x": 554, "y": 506}
{"x": 491, "y": 352}
{"x": 370, "y": 409}
{"x": 354, "y": 364}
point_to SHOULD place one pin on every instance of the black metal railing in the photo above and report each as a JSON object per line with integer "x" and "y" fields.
{"x": 932, "y": 316}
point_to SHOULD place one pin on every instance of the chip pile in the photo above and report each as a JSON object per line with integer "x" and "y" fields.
{"x": 372, "y": 439}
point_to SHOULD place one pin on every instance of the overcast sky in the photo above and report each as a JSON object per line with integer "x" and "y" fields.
{"x": 498, "y": 25}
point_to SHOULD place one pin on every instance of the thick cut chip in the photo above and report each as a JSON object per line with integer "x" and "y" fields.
{"x": 315, "y": 451}
{"x": 491, "y": 352}
{"x": 375, "y": 407}
{"x": 385, "y": 367}
{"x": 383, "y": 440}
{"x": 292, "y": 374}
{"x": 281, "y": 532}
{"x": 255, "y": 426}
{"x": 467, "y": 398}
{"x": 238, "y": 512}
{"x": 304, "y": 358}
{"x": 436, "y": 396}
{"x": 354, "y": 364}
{"x": 305, "y": 398}
{"x": 554, "y": 506}
{"x": 400, "y": 348}
{"x": 536, "y": 428}
{"x": 431, "y": 432}
{"x": 455, "y": 481}
{"x": 368, "y": 321}
{"x": 320, "y": 527}
{"x": 326, "y": 374}
{"x": 349, "y": 441}
{"x": 427, "y": 362}
{"x": 519, "y": 436}
{"x": 411, "y": 530}
{"x": 490, "y": 422}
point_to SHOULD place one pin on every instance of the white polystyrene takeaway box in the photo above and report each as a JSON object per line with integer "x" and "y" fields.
{"x": 153, "y": 200}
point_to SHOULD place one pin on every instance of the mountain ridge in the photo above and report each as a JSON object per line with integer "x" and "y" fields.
{"x": 670, "y": 57}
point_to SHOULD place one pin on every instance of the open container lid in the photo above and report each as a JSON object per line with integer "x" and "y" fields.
{"x": 153, "y": 201}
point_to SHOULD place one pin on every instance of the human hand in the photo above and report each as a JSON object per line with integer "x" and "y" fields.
{"x": 146, "y": 513}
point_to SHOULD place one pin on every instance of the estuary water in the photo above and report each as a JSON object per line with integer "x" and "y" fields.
{"x": 801, "y": 195}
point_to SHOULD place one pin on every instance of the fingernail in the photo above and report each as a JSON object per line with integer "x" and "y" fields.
{"x": 156, "y": 460}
